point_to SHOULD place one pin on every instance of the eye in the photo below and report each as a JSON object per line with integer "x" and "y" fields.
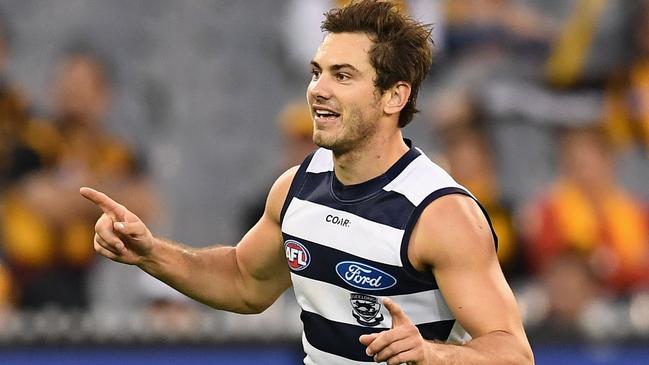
{"x": 342, "y": 76}
{"x": 315, "y": 74}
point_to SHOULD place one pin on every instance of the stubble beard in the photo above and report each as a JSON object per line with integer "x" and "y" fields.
{"x": 356, "y": 132}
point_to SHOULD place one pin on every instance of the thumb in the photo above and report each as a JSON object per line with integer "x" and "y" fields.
{"x": 399, "y": 317}
{"x": 132, "y": 229}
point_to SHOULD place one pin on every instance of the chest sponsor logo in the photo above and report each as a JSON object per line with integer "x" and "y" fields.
{"x": 339, "y": 221}
{"x": 297, "y": 255}
{"x": 363, "y": 276}
{"x": 366, "y": 309}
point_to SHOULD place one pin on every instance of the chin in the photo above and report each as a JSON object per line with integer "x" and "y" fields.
{"x": 322, "y": 142}
{"x": 335, "y": 146}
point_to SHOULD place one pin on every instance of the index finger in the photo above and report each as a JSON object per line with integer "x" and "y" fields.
{"x": 108, "y": 205}
{"x": 399, "y": 317}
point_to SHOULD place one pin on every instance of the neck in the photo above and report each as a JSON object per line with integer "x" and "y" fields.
{"x": 372, "y": 159}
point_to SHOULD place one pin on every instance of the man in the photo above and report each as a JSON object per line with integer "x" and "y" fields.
{"x": 587, "y": 212}
{"x": 380, "y": 267}
{"x": 44, "y": 229}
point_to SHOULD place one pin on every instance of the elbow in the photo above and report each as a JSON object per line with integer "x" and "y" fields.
{"x": 528, "y": 356}
{"x": 521, "y": 353}
{"x": 245, "y": 311}
{"x": 239, "y": 308}
{"x": 252, "y": 307}
{"x": 522, "y": 357}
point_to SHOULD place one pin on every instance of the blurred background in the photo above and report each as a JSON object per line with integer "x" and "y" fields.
{"x": 186, "y": 111}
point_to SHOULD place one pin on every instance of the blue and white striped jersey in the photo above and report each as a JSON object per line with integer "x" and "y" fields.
{"x": 346, "y": 247}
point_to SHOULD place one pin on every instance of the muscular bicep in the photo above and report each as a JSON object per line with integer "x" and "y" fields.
{"x": 260, "y": 253}
{"x": 454, "y": 240}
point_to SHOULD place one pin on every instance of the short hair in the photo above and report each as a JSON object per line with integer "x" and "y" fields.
{"x": 402, "y": 49}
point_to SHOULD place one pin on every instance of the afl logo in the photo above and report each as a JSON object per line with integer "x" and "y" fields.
{"x": 363, "y": 276}
{"x": 297, "y": 255}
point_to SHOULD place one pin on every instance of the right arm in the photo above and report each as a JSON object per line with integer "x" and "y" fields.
{"x": 246, "y": 278}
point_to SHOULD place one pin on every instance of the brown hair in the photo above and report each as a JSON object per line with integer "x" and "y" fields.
{"x": 402, "y": 49}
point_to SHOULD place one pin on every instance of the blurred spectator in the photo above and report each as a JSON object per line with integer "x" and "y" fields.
{"x": 47, "y": 228}
{"x": 470, "y": 162}
{"x": 6, "y": 290}
{"x": 468, "y": 157}
{"x": 297, "y": 133}
{"x": 24, "y": 141}
{"x": 168, "y": 313}
{"x": 563, "y": 294}
{"x": 20, "y": 142}
{"x": 585, "y": 210}
{"x": 7, "y": 297}
{"x": 591, "y": 44}
{"x": 627, "y": 112}
{"x": 296, "y": 126}
{"x": 478, "y": 26}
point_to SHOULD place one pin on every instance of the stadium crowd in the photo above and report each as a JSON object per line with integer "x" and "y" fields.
{"x": 540, "y": 108}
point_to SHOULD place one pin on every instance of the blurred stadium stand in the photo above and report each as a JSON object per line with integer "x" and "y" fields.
{"x": 198, "y": 87}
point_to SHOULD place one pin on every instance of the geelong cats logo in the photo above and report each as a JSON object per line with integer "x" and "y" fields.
{"x": 365, "y": 309}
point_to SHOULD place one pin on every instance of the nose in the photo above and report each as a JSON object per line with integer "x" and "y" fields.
{"x": 319, "y": 89}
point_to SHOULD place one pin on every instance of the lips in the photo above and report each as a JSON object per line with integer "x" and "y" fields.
{"x": 323, "y": 114}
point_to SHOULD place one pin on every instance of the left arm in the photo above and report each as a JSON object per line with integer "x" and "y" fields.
{"x": 453, "y": 239}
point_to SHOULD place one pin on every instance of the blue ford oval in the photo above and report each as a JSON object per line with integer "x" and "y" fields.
{"x": 363, "y": 276}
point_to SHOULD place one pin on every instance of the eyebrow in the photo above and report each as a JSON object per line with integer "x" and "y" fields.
{"x": 336, "y": 67}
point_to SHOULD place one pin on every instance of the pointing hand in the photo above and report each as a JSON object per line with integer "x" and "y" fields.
{"x": 119, "y": 234}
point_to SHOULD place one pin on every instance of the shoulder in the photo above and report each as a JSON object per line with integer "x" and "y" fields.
{"x": 284, "y": 181}
{"x": 450, "y": 227}
{"x": 279, "y": 192}
{"x": 420, "y": 179}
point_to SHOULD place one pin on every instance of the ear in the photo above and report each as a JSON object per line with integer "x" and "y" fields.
{"x": 397, "y": 97}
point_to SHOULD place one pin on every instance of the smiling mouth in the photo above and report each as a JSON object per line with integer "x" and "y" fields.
{"x": 324, "y": 115}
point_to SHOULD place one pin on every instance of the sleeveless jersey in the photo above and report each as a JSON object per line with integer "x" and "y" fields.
{"x": 347, "y": 247}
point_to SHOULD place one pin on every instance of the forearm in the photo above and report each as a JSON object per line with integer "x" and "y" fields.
{"x": 247, "y": 278}
{"x": 495, "y": 348}
{"x": 211, "y": 276}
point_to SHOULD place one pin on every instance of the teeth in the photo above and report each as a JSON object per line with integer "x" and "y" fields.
{"x": 324, "y": 113}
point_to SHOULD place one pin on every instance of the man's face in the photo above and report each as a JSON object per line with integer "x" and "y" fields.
{"x": 586, "y": 161}
{"x": 345, "y": 105}
{"x": 80, "y": 91}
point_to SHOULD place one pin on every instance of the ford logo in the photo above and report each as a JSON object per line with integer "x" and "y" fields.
{"x": 363, "y": 276}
